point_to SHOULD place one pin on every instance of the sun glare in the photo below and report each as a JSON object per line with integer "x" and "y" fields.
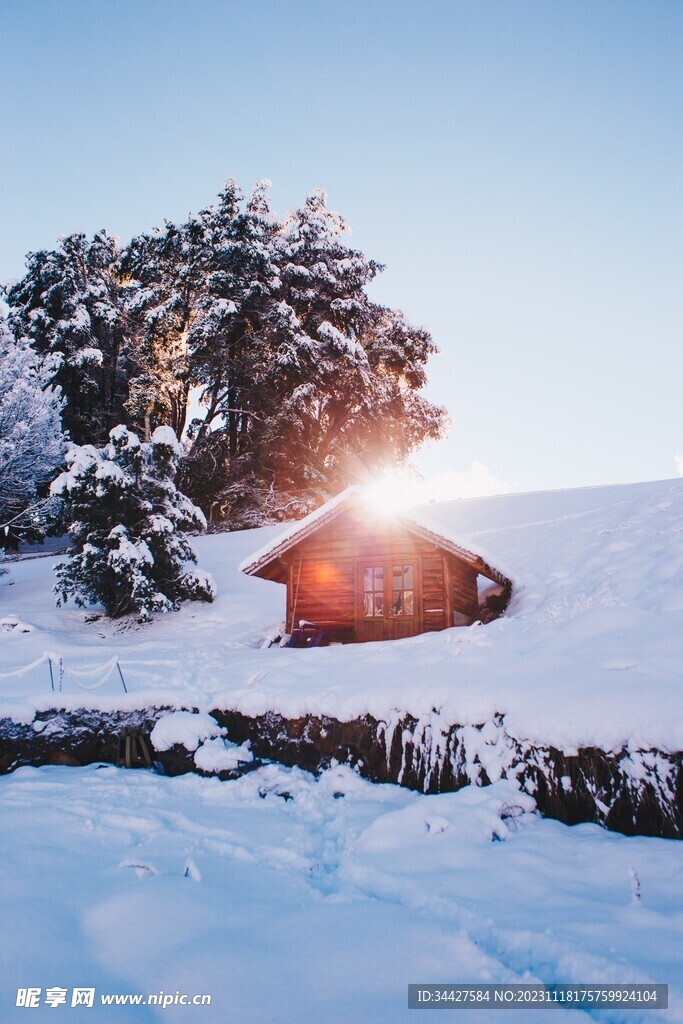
{"x": 393, "y": 492}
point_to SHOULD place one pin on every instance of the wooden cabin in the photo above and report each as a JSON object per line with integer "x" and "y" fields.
{"x": 363, "y": 575}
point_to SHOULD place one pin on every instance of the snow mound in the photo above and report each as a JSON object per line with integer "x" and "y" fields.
{"x": 184, "y": 728}
{"x": 474, "y": 815}
{"x": 10, "y": 622}
{"x": 218, "y": 755}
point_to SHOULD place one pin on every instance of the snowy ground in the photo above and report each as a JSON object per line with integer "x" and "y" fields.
{"x": 324, "y": 907}
{"x": 590, "y": 651}
{"x": 319, "y": 908}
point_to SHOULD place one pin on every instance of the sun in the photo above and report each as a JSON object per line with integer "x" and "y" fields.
{"x": 393, "y": 491}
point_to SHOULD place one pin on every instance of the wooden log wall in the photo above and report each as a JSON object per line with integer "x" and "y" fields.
{"x": 433, "y": 593}
{"x": 464, "y": 588}
{"x": 322, "y": 590}
{"x": 324, "y": 569}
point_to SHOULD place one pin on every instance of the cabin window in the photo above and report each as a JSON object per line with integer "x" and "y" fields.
{"x": 402, "y": 590}
{"x": 373, "y": 591}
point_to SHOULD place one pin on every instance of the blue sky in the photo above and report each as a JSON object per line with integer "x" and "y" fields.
{"x": 517, "y": 166}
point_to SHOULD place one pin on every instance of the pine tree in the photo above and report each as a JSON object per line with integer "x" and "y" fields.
{"x": 167, "y": 271}
{"x": 304, "y": 383}
{"x": 228, "y": 340}
{"x": 127, "y": 521}
{"x": 310, "y": 384}
{"x": 31, "y": 440}
{"x": 69, "y": 303}
{"x": 337, "y": 396}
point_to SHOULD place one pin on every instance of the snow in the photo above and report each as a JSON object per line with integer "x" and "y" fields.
{"x": 186, "y": 728}
{"x": 217, "y": 755}
{"x": 166, "y": 436}
{"x": 589, "y": 652}
{"x": 224, "y": 306}
{"x": 81, "y": 460}
{"x": 86, "y": 355}
{"x": 328, "y": 332}
{"x": 299, "y": 900}
{"x": 122, "y": 436}
{"x": 294, "y": 899}
{"x": 127, "y": 553}
{"x": 442, "y": 533}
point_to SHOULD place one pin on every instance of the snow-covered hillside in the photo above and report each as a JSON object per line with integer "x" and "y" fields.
{"x": 290, "y": 898}
{"x": 589, "y": 652}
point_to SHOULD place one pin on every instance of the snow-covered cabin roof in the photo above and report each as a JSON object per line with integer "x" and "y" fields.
{"x": 411, "y": 521}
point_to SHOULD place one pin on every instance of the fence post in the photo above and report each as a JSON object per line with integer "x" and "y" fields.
{"x": 123, "y": 682}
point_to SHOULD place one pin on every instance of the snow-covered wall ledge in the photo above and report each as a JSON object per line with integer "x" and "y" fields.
{"x": 637, "y": 792}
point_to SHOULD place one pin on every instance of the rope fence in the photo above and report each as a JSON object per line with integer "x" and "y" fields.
{"x": 102, "y": 673}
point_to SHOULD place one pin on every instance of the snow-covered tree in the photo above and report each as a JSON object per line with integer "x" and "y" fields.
{"x": 229, "y": 342}
{"x": 335, "y": 388}
{"x": 304, "y": 384}
{"x": 167, "y": 273}
{"x": 369, "y": 360}
{"x": 127, "y": 521}
{"x": 31, "y": 440}
{"x": 70, "y": 303}
{"x": 309, "y": 385}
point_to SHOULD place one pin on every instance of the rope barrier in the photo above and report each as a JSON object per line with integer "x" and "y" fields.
{"x": 68, "y": 673}
{"x": 75, "y": 675}
{"x": 86, "y": 673}
{"x": 27, "y": 668}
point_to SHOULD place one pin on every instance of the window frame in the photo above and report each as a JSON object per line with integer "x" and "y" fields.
{"x": 405, "y": 570}
{"x": 386, "y": 565}
{"x": 375, "y": 568}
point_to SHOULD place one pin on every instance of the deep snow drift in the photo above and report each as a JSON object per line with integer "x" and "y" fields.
{"x": 292, "y": 900}
{"x": 589, "y": 652}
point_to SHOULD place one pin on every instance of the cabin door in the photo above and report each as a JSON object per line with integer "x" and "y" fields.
{"x": 387, "y": 607}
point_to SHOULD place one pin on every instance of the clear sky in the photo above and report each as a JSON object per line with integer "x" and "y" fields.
{"x": 516, "y": 165}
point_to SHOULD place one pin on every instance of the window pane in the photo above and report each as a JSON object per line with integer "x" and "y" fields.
{"x": 379, "y": 604}
{"x": 397, "y": 602}
{"x": 398, "y": 577}
{"x": 407, "y": 602}
{"x": 367, "y": 605}
{"x": 408, "y": 577}
{"x": 373, "y": 577}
